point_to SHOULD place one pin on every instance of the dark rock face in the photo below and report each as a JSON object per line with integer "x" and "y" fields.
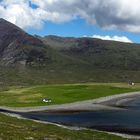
{"x": 16, "y": 45}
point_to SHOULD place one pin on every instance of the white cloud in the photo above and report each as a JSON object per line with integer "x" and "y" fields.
{"x": 108, "y": 14}
{"x": 114, "y": 38}
{"x": 20, "y": 14}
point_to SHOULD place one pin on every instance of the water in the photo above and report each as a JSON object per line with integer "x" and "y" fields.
{"x": 123, "y": 121}
{"x": 115, "y": 121}
{"x": 133, "y": 104}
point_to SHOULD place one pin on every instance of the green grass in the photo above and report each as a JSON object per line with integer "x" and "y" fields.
{"x": 18, "y": 129}
{"x": 60, "y": 94}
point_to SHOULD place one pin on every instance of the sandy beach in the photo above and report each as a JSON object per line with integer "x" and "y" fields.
{"x": 103, "y": 103}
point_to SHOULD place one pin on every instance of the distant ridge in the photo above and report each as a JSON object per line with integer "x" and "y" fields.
{"x": 97, "y": 53}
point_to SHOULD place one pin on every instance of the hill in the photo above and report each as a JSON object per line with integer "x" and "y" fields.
{"x": 33, "y": 60}
{"x": 98, "y": 53}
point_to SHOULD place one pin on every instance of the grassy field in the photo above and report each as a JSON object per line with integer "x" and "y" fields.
{"x": 18, "y": 129}
{"x": 60, "y": 94}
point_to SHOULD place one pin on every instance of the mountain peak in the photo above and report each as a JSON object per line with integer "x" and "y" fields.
{"x": 2, "y": 19}
{"x": 8, "y": 26}
{"x": 15, "y": 43}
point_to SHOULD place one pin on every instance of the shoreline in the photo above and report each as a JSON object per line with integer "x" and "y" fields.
{"x": 122, "y": 135}
{"x": 102, "y": 103}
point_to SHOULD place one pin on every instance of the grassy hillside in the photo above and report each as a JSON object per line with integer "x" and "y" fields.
{"x": 78, "y": 61}
{"x": 18, "y": 129}
{"x": 54, "y": 74}
{"x": 71, "y": 60}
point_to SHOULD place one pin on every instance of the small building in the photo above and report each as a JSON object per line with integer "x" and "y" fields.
{"x": 46, "y": 100}
{"x": 131, "y": 83}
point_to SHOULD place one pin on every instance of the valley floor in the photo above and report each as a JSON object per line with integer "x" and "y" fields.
{"x": 102, "y": 103}
{"x": 13, "y": 128}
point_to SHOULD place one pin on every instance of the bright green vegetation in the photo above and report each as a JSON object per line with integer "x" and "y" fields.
{"x": 18, "y": 129}
{"x": 60, "y": 94}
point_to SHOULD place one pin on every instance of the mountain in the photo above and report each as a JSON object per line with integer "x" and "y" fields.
{"x": 33, "y": 60}
{"x": 97, "y": 53}
{"x": 16, "y": 46}
{"x": 59, "y": 42}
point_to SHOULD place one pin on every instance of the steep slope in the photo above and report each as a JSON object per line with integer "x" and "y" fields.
{"x": 16, "y": 46}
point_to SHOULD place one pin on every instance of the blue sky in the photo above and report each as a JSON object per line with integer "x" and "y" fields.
{"x": 80, "y": 28}
{"x": 117, "y": 20}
